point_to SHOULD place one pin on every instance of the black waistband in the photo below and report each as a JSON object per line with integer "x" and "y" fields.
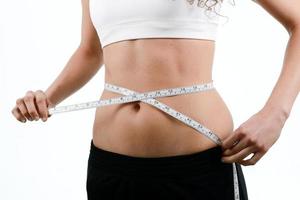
{"x": 205, "y": 162}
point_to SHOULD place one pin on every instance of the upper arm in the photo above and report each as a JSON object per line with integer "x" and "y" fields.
{"x": 285, "y": 11}
{"x": 89, "y": 37}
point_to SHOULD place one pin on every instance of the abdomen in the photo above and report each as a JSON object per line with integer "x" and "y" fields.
{"x": 139, "y": 129}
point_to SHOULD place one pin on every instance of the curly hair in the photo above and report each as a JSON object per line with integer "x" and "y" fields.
{"x": 202, "y": 3}
{"x": 208, "y": 4}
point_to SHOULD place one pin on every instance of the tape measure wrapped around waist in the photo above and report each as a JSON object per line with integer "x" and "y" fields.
{"x": 149, "y": 98}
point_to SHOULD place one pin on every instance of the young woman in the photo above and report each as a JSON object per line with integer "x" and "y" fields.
{"x": 180, "y": 146}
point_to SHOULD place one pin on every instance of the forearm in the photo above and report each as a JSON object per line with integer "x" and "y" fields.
{"x": 287, "y": 86}
{"x": 80, "y": 68}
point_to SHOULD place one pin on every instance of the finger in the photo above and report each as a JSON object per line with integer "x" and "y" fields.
{"x": 242, "y": 144}
{"x": 49, "y": 103}
{"x": 239, "y": 156}
{"x": 18, "y": 115}
{"x": 40, "y": 99}
{"x": 22, "y": 108}
{"x": 30, "y": 105}
{"x": 253, "y": 160}
{"x": 229, "y": 141}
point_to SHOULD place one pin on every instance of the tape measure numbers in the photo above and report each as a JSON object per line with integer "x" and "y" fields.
{"x": 148, "y": 97}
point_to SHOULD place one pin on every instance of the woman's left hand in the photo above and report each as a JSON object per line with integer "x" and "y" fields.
{"x": 256, "y": 136}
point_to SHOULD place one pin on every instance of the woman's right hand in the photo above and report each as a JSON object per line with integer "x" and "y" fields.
{"x": 33, "y": 106}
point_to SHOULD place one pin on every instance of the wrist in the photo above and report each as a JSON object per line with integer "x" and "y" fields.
{"x": 278, "y": 111}
{"x": 50, "y": 101}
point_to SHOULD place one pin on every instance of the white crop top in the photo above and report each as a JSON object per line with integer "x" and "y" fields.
{"x": 117, "y": 20}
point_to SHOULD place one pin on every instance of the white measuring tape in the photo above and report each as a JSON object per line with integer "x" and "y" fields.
{"x": 148, "y": 97}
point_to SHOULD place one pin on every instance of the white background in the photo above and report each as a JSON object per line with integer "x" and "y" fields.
{"x": 48, "y": 160}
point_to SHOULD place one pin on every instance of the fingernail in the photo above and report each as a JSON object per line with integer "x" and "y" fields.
{"x": 36, "y": 118}
{"x": 30, "y": 118}
{"x": 23, "y": 120}
{"x": 44, "y": 119}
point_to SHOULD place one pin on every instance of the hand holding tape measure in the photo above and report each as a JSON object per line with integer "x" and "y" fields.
{"x": 33, "y": 106}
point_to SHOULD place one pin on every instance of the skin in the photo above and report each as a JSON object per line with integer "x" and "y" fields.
{"x": 138, "y": 129}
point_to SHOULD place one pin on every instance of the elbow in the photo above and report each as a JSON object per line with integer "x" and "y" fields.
{"x": 293, "y": 27}
{"x": 91, "y": 52}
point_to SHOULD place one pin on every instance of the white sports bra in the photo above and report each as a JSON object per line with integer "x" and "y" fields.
{"x": 117, "y": 20}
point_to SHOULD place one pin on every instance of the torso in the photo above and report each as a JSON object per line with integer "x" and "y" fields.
{"x": 139, "y": 129}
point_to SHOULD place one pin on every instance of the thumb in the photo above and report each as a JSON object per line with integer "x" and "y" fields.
{"x": 49, "y": 105}
{"x": 231, "y": 139}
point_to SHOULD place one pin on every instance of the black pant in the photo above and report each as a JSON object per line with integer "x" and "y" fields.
{"x": 201, "y": 175}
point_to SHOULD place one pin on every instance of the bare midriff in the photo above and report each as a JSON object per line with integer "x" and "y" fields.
{"x": 141, "y": 130}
